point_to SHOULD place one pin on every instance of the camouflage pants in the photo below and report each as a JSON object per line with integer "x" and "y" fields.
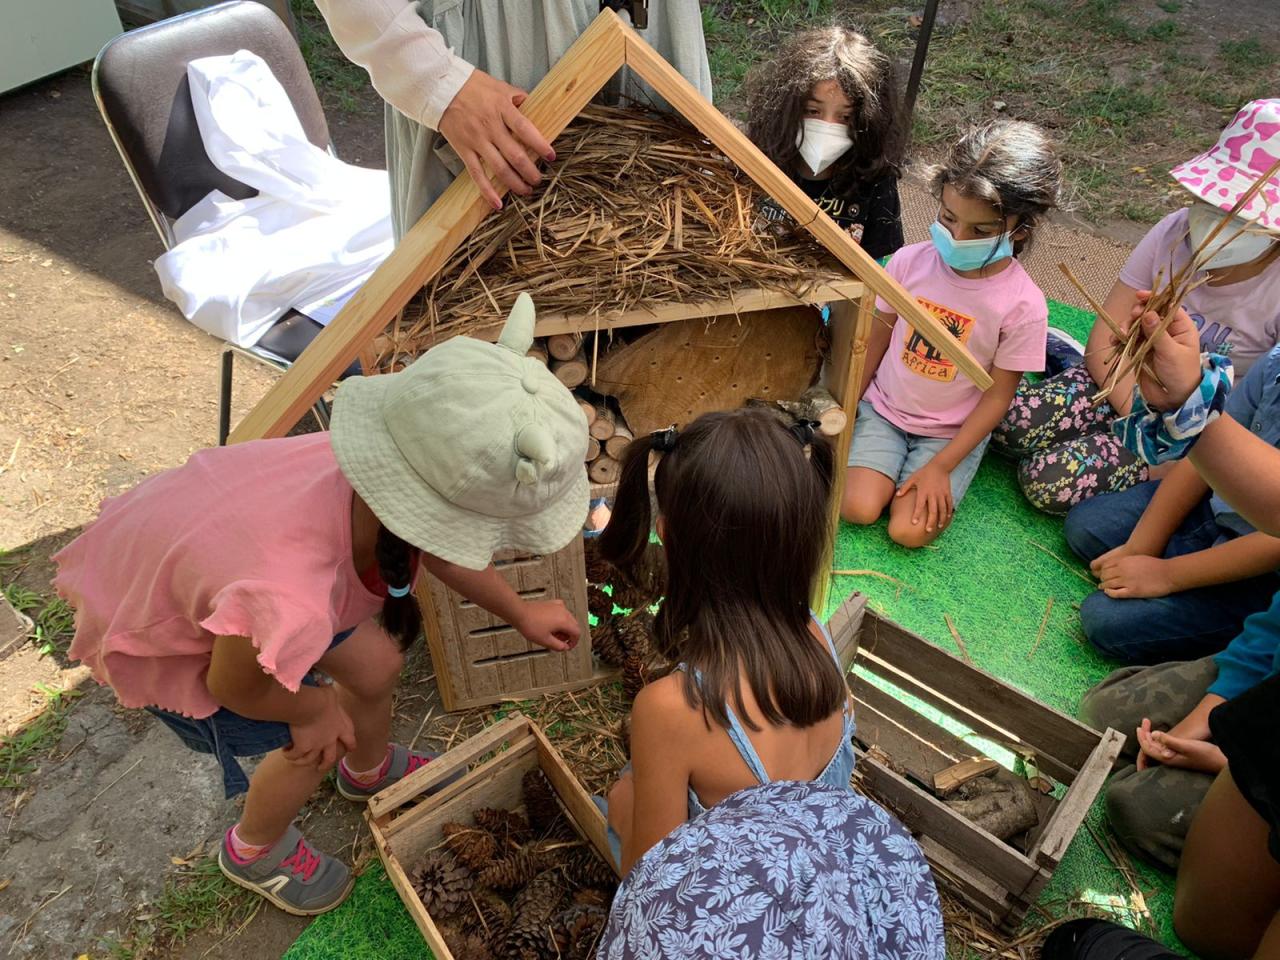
{"x": 1150, "y": 810}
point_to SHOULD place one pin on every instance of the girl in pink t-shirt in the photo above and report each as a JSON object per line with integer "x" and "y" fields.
{"x": 258, "y": 599}
{"x": 922, "y": 425}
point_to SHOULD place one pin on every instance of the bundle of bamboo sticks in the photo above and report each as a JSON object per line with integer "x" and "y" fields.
{"x": 1129, "y": 349}
{"x": 638, "y": 208}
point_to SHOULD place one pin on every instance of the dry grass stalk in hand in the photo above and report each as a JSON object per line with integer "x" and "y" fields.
{"x": 1167, "y": 298}
{"x": 639, "y": 208}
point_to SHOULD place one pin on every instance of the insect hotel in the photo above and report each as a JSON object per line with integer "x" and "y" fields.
{"x": 659, "y": 298}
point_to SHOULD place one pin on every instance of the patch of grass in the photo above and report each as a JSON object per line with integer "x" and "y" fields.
{"x": 341, "y": 83}
{"x": 196, "y": 899}
{"x": 1169, "y": 6}
{"x": 21, "y": 752}
{"x": 54, "y": 619}
{"x": 1164, "y": 30}
{"x": 1244, "y": 57}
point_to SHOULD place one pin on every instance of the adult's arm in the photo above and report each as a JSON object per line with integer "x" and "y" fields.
{"x": 414, "y": 70}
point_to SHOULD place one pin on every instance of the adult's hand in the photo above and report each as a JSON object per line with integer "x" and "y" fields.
{"x": 485, "y": 127}
{"x": 1174, "y": 357}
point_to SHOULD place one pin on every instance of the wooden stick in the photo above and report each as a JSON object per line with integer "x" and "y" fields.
{"x": 955, "y": 635}
{"x": 953, "y": 777}
{"x": 1044, "y": 622}
{"x": 617, "y": 445}
{"x": 605, "y": 469}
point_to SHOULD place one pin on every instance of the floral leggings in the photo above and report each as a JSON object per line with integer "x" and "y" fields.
{"x": 1063, "y": 442}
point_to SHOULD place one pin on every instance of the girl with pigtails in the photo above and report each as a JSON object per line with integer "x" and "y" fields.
{"x": 757, "y": 694}
{"x": 258, "y": 599}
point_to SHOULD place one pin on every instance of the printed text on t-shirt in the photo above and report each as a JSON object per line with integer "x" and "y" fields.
{"x": 921, "y": 357}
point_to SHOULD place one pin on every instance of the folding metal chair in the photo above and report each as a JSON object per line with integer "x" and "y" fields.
{"x": 140, "y": 85}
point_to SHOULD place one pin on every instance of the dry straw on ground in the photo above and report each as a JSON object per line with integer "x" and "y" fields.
{"x": 638, "y": 208}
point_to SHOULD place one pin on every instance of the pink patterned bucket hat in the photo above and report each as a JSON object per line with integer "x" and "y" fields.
{"x": 1247, "y": 149}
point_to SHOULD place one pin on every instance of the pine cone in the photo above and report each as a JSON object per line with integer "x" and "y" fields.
{"x": 604, "y": 642}
{"x": 507, "y": 826}
{"x": 599, "y": 603}
{"x": 630, "y": 596}
{"x": 599, "y": 570}
{"x": 584, "y": 868}
{"x": 635, "y": 634}
{"x": 474, "y": 847}
{"x": 635, "y": 674}
{"x": 489, "y": 917}
{"x": 530, "y": 935}
{"x": 540, "y": 801}
{"x": 514, "y": 871}
{"x": 465, "y": 944}
{"x": 650, "y": 574}
{"x": 580, "y": 928}
{"x": 442, "y": 884}
{"x": 593, "y": 897}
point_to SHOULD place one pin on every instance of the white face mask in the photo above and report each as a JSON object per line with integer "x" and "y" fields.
{"x": 822, "y": 144}
{"x": 1227, "y": 249}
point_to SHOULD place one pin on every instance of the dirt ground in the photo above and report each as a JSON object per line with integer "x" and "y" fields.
{"x": 102, "y": 383}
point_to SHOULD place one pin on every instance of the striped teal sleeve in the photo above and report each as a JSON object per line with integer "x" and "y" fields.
{"x": 1252, "y": 656}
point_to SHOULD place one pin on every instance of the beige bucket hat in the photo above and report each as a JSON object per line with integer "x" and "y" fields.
{"x": 471, "y": 449}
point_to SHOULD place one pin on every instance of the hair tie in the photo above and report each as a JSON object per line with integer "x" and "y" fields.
{"x": 805, "y": 431}
{"x": 399, "y": 592}
{"x": 664, "y": 441}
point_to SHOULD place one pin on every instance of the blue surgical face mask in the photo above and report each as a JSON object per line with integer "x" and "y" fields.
{"x": 969, "y": 254}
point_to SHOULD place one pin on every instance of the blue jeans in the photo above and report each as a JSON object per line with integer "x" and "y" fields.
{"x": 1182, "y": 626}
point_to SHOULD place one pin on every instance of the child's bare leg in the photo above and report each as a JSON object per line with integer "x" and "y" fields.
{"x": 905, "y": 533}
{"x": 365, "y": 668}
{"x": 866, "y": 493}
{"x": 1228, "y": 884}
{"x": 277, "y": 791}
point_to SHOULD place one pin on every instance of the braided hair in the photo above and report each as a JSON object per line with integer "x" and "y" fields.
{"x": 400, "y": 616}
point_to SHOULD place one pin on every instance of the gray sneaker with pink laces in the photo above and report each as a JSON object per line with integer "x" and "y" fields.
{"x": 293, "y": 875}
{"x": 400, "y": 762}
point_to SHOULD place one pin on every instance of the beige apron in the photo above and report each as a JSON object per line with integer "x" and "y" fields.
{"x": 519, "y": 41}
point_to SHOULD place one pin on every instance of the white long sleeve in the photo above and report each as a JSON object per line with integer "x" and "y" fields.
{"x": 409, "y": 63}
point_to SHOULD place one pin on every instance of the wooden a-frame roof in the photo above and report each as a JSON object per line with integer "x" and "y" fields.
{"x": 602, "y": 49}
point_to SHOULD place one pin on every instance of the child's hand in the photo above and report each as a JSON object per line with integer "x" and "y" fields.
{"x": 1115, "y": 553}
{"x": 548, "y": 623}
{"x": 934, "y": 505}
{"x": 1174, "y": 357}
{"x": 1188, "y": 753}
{"x": 323, "y": 739}
{"x": 1132, "y": 577}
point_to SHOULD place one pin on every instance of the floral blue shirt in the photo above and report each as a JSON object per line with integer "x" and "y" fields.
{"x": 782, "y": 871}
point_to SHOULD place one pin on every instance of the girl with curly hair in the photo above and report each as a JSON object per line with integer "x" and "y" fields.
{"x": 826, "y": 111}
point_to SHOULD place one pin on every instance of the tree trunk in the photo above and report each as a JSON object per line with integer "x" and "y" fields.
{"x": 605, "y": 424}
{"x": 617, "y": 445}
{"x": 593, "y": 449}
{"x": 573, "y": 372}
{"x": 564, "y": 346}
{"x": 604, "y": 469}
{"x": 816, "y": 403}
{"x": 1000, "y": 805}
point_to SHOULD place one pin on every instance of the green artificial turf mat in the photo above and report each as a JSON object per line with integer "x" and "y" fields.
{"x": 993, "y": 573}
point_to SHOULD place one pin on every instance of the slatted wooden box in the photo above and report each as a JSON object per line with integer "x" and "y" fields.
{"x": 406, "y": 823}
{"x": 998, "y": 879}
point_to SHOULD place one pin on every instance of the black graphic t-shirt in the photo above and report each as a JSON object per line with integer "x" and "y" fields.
{"x": 873, "y": 214}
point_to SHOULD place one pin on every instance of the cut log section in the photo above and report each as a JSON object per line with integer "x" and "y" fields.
{"x": 589, "y": 409}
{"x": 1000, "y": 804}
{"x": 593, "y": 449}
{"x": 604, "y": 425}
{"x": 538, "y": 352}
{"x": 617, "y": 445}
{"x": 816, "y": 404}
{"x": 604, "y": 469}
{"x": 572, "y": 373}
{"x": 564, "y": 346}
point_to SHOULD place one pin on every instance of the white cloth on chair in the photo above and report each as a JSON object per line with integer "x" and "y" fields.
{"x": 315, "y": 231}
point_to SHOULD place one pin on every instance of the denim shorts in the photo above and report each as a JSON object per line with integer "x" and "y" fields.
{"x": 227, "y": 735}
{"x": 880, "y": 446}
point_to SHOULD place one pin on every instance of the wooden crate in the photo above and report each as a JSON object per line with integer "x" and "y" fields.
{"x": 406, "y": 824}
{"x": 1001, "y": 880}
{"x": 478, "y": 659}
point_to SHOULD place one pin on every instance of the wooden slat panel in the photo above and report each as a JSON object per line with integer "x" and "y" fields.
{"x": 1066, "y": 820}
{"x": 1049, "y": 732}
{"x": 511, "y": 730}
{"x": 577, "y": 803}
{"x": 677, "y": 91}
{"x": 845, "y": 626}
{"x": 913, "y": 743}
{"x": 925, "y": 814}
{"x": 595, "y": 57}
